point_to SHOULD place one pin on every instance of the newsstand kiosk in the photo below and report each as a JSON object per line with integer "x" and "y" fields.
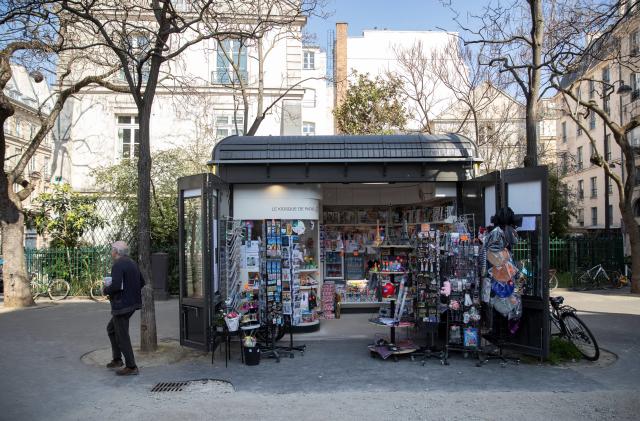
{"x": 284, "y": 224}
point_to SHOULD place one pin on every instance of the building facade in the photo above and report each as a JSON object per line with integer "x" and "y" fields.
{"x": 201, "y": 103}
{"x": 601, "y": 81}
{"x": 32, "y": 101}
{"x": 379, "y": 52}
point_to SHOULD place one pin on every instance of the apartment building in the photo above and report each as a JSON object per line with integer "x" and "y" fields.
{"x": 377, "y": 52}
{"x": 317, "y": 102}
{"x": 99, "y": 128}
{"x": 601, "y": 82}
{"x": 31, "y": 101}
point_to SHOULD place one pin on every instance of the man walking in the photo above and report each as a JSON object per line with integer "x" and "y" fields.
{"x": 125, "y": 297}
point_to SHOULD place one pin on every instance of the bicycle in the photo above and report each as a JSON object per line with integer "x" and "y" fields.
{"x": 57, "y": 289}
{"x": 595, "y": 278}
{"x": 569, "y": 326}
{"x": 553, "y": 279}
{"x": 95, "y": 290}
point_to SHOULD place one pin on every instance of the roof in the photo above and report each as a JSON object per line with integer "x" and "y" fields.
{"x": 447, "y": 148}
{"x": 22, "y": 89}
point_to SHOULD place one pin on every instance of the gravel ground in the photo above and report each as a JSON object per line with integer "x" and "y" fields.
{"x": 373, "y": 406}
{"x": 44, "y": 378}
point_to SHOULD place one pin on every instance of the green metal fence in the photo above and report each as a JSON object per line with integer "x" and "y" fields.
{"x": 79, "y": 266}
{"x": 578, "y": 253}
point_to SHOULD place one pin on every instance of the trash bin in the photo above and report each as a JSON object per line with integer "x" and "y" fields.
{"x": 160, "y": 275}
{"x": 251, "y": 355}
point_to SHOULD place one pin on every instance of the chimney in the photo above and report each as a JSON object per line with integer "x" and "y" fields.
{"x": 340, "y": 66}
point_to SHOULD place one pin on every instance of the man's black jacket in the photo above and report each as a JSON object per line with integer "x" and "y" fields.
{"x": 126, "y": 283}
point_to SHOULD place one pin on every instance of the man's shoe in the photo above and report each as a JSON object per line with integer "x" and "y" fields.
{"x": 115, "y": 364}
{"x": 127, "y": 371}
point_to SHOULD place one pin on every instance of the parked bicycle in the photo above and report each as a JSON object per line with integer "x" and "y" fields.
{"x": 57, "y": 289}
{"x": 569, "y": 326}
{"x": 597, "y": 278}
{"x": 553, "y": 279}
{"x": 95, "y": 290}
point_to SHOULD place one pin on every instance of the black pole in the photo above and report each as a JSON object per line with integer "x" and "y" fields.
{"x": 607, "y": 225}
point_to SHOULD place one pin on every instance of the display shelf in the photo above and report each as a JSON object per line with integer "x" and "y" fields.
{"x": 333, "y": 278}
{"x": 391, "y": 273}
{"x": 307, "y": 270}
{"x": 396, "y": 246}
{"x": 312, "y": 323}
{"x": 307, "y": 287}
{"x": 360, "y": 304}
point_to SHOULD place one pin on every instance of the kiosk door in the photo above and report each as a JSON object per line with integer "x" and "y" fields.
{"x": 524, "y": 190}
{"x": 199, "y": 209}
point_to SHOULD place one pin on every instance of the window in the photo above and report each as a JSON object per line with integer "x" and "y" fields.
{"x": 231, "y": 52}
{"x": 309, "y": 60}
{"x": 592, "y": 89}
{"x": 226, "y": 125}
{"x": 594, "y": 216}
{"x": 308, "y": 128}
{"x": 580, "y": 217}
{"x": 580, "y": 189}
{"x": 606, "y": 76}
{"x": 18, "y": 128}
{"x": 609, "y": 185}
{"x": 607, "y": 146}
{"x": 579, "y": 158}
{"x": 138, "y": 46}
{"x": 564, "y": 165}
{"x": 564, "y": 132}
{"x": 45, "y": 169}
{"x": 635, "y": 86}
{"x": 309, "y": 99}
{"x": 33, "y": 164}
{"x": 606, "y": 104}
{"x": 594, "y": 152}
{"x": 610, "y": 215}
{"x": 634, "y": 43}
{"x": 592, "y": 120}
{"x": 128, "y": 136}
{"x": 594, "y": 187}
{"x": 485, "y": 133}
{"x": 579, "y": 126}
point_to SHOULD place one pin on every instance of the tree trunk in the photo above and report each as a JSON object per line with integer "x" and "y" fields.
{"x": 537, "y": 36}
{"x": 148, "y": 334}
{"x": 17, "y": 291}
{"x": 633, "y": 231}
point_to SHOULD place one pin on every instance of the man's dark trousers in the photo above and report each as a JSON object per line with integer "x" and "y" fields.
{"x": 118, "y": 330}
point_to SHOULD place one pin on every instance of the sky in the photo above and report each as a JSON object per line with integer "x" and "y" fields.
{"x": 391, "y": 14}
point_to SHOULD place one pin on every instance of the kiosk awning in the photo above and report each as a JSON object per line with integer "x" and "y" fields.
{"x": 371, "y": 158}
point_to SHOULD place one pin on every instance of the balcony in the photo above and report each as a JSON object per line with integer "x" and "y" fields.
{"x": 228, "y": 77}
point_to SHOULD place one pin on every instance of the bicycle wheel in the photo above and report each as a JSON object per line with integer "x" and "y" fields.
{"x": 553, "y": 282}
{"x": 35, "y": 290}
{"x": 614, "y": 278}
{"x": 59, "y": 289}
{"x": 583, "y": 281}
{"x": 579, "y": 334}
{"x": 96, "y": 291}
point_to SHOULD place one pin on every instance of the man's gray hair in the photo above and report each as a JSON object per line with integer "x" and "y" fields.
{"x": 121, "y": 248}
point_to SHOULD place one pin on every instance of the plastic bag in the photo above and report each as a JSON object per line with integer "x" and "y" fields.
{"x": 504, "y": 273}
{"x": 498, "y": 258}
{"x": 486, "y": 290}
{"x": 503, "y": 290}
{"x": 510, "y": 307}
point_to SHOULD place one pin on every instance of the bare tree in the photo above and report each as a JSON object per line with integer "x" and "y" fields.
{"x": 419, "y": 83}
{"x": 33, "y": 36}
{"x": 142, "y": 37}
{"x": 483, "y": 109}
{"x": 588, "y": 33}
{"x": 513, "y": 36}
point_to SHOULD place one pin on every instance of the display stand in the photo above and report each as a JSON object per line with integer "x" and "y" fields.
{"x": 291, "y": 348}
{"x": 498, "y": 338}
{"x": 396, "y": 310}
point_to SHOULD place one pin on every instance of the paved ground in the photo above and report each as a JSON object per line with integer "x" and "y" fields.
{"x": 44, "y": 378}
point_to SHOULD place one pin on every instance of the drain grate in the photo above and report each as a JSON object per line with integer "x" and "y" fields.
{"x": 169, "y": 386}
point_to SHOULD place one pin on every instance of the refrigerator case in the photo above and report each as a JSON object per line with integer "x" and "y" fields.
{"x": 334, "y": 265}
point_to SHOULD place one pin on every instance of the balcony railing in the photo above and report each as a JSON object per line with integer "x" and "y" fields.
{"x": 228, "y": 77}
{"x": 594, "y": 193}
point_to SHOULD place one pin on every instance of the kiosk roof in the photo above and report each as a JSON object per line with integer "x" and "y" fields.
{"x": 447, "y": 148}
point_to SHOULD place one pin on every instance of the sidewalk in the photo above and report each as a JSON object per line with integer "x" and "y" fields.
{"x": 44, "y": 378}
